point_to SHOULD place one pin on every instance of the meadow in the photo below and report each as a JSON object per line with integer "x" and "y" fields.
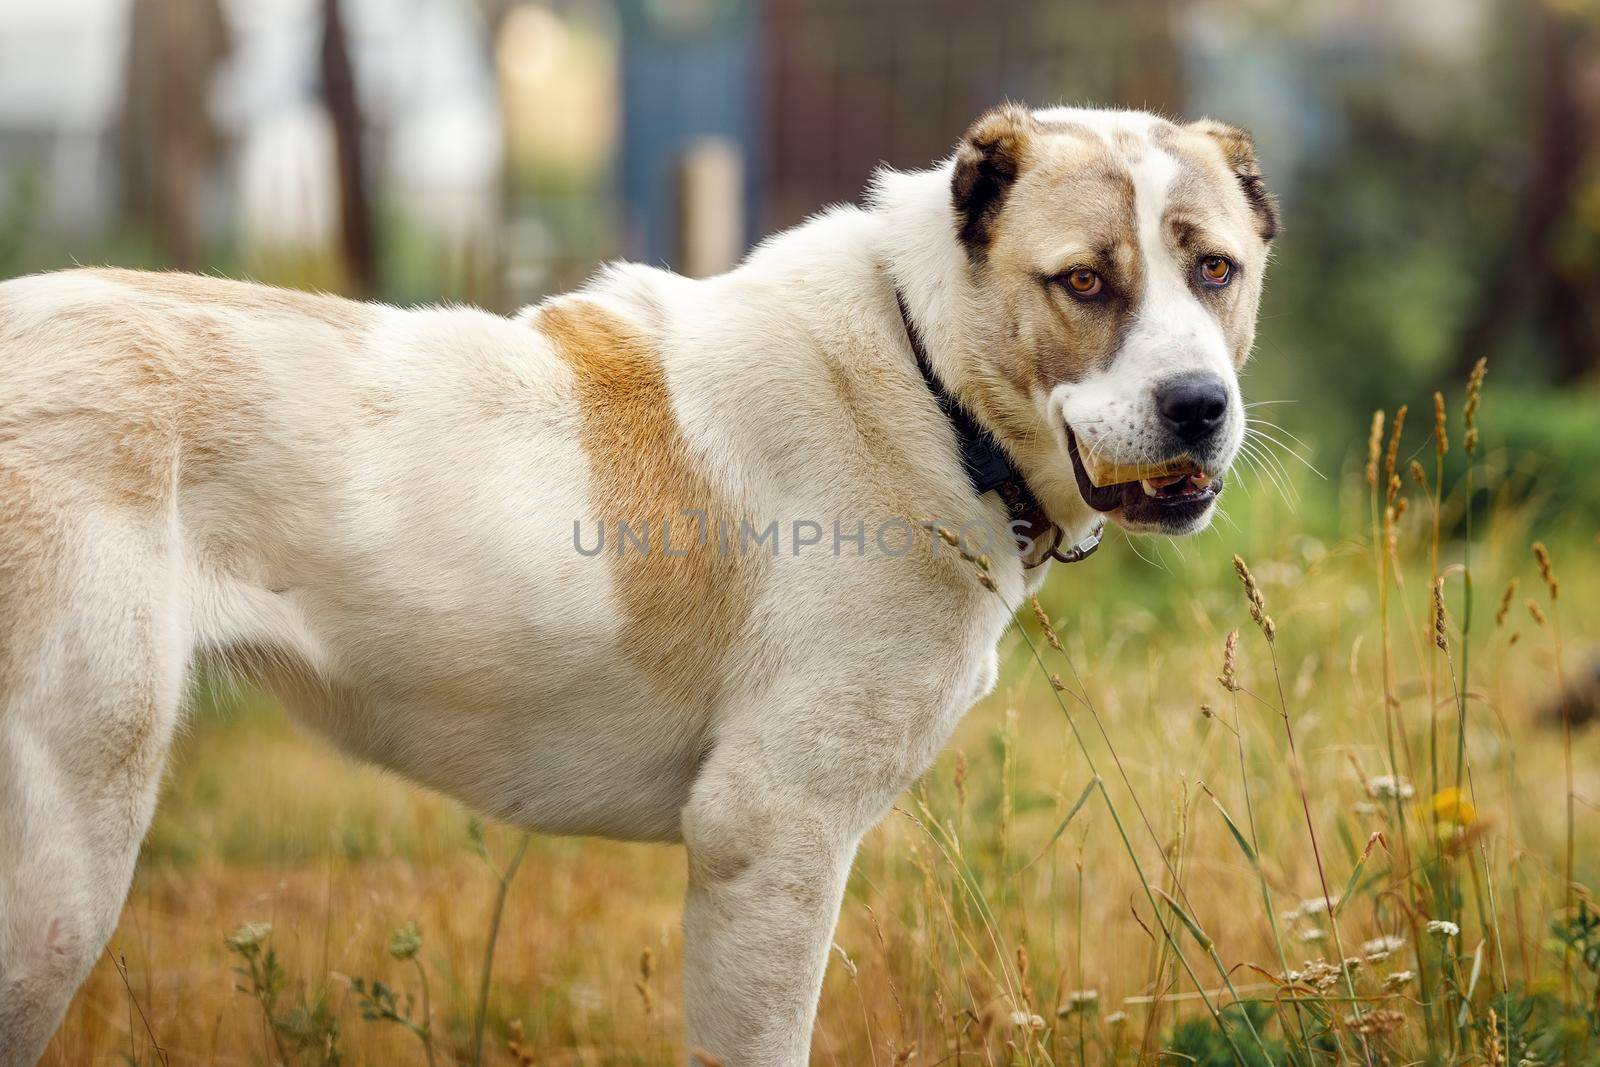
{"x": 1316, "y": 806}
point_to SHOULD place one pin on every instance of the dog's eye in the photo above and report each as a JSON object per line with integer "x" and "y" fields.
{"x": 1083, "y": 283}
{"x": 1216, "y": 271}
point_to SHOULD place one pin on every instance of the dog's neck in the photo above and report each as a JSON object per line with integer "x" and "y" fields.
{"x": 930, "y": 269}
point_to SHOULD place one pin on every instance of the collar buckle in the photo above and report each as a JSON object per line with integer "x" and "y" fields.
{"x": 1080, "y": 551}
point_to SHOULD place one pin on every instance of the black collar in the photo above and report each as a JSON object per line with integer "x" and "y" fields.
{"x": 988, "y": 467}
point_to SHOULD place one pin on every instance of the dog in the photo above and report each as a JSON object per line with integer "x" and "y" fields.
{"x": 660, "y": 559}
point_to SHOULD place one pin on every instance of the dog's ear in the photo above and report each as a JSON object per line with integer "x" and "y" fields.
{"x": 1239, "y": 150}
{"x": 991, "y": 155}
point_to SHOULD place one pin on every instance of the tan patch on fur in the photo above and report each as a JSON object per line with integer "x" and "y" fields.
{"x": 30, "y": 587}
{"x": 1076, "y": 194}
{"x": 682, "y": 613}
{"x": 136, "y": 398}
{"x": 1219, "y": 187}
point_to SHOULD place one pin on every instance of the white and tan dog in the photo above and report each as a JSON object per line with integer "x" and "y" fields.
{"x": 636, "y": 563}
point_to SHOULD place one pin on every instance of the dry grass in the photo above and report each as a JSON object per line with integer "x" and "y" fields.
{"x": 976, "y": 928}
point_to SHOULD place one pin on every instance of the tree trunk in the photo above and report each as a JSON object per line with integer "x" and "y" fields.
{"x": 339, "y": 94}
{"x": 1525, "y": 278}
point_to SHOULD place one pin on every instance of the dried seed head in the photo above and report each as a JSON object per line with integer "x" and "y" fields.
{"x": 514, "y": 1043}
{"x": 1258, "y": 605}
{"x": 1419, "y": 475}
{"x": 987, "y": 582}
{"x": 1546, "y": 570}
{"x": 1230, "y": 648}
{"x": 1392, "y": 456}
{"x": 1400, "y": 506}
{"x": 1252, "y": 592}
{"x": 1376, "y": 1023}
{"x": 1440, "y": 637}
{"x": 1374, "y": 447}
{"x": 1469, "y": 414}
{"x": 647, "y": 969}
{"x": 1206, "y": 712}
{"x": 1505, "y": 603}
{"x": 1044, "y": 623}
{"x": 961, "y": 777}
{"x": 1060, "y": 686}
{"x": 1441, "y": 439}
{"x": 1391, "y": 534}
{"x": 1533, "y": 610}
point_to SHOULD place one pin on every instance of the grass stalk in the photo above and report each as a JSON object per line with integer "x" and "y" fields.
{"x": 1133, "y": 856}
{"x": 504, "y": 878}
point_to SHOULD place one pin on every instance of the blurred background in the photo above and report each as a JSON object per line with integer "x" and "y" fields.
{"x": 1439, "y": 172}
{"x": 1436, "y": 158}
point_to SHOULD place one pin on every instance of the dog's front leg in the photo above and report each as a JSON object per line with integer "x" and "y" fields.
{"x": 767, "y": 868}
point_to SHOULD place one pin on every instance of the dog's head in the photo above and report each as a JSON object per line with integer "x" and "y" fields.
{"x": 1115, "y": 260}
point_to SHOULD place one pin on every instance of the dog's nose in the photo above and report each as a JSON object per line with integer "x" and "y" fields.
{"x": 1193, "y": 406}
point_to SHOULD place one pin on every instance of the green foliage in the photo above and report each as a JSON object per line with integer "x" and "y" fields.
{"x": 1201, "y": 1042}
{"x": 404, "y": 942}
{"x": 1579, "y": 936}
{"x": 1534, "y": 1027}
{"x": 310, "y": 1029}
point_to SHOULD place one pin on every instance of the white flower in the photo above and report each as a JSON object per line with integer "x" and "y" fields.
{"x": 1443, "y": 927}
{"x": 1398, "y": 979}
{"x": 1313, "y": 935}
{"x": 1390, "y": 786}
{"x": 1318, "y": 905}
{"x": 1026, "y": 1021}
{"x": 1319, "y": 974}
{"x": 1116, "y": 1018}
{"x": 1365, "y": 807}
{"x": 1078, "y": 1000}
{"x": 1382, "y": 947}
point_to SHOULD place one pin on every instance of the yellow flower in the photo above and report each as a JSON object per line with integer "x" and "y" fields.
{"x": 1452, "y": 806}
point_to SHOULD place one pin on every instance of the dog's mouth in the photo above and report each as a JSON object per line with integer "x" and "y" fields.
{"x": 1170, "y": 495}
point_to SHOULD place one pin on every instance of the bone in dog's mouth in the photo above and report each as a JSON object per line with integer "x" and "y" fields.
{"x": 1107, "y": 486}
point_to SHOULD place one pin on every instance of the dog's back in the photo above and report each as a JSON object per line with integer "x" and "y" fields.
{"x": 365, "y": 509}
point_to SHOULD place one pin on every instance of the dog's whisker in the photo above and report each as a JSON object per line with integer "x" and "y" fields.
{"x": 1279, "y": 477}
{"x": 1270, "y": 446}
{"x": 1134, "y": 545}
{"x": 1257, "y": 432}
{"x": 1263, "y": 426}
{"x": 1250, "y": 465}
{"x": 1264, "y": 464}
